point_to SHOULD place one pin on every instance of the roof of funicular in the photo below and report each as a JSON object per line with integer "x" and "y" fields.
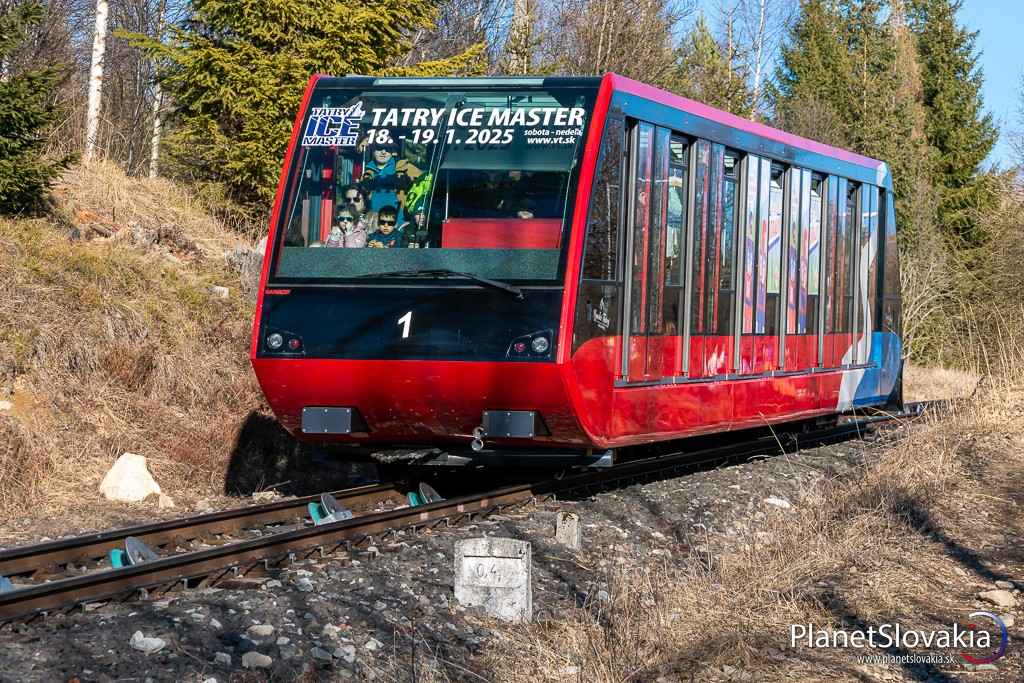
{"x": 649, "y": 92}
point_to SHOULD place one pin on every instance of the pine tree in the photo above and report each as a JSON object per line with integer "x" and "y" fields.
{"x": 956, "y": 124}
{"x": 237, "y": 69}
{"x": 849, "y": 79}
{"x": 814, "y": 90}
{"x": 27, "y": 108}
{"x": 703, "y": 73}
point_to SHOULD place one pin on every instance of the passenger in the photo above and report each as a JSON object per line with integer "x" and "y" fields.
{"x": 513, "y": 196}
{"x": 387, "y": 235}
{"x": 387, "y": 179}
{"x": 353, "y": 230}
{"x": 380, "y": 178}
{"x": 355, "y": 200}
{"x": 415, "y": 231}
{"x": 335, "y": 238}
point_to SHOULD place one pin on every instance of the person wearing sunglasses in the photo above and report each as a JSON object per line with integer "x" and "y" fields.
{"x": 388, "y": 235}
{"x": 348, "y": 230}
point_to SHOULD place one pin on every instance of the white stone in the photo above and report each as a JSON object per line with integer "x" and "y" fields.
{"x": 6, "y": 406}
{"x": 256, "y": 660}
{"x": 283, "y": 641}
{"x": 129, "y": 480}
{"x": 219, "y": 292}
{"x": 165, "y": 502}
{"x": 778, "y": 502}
{"x": 260, "y": 631}
{"x": 222, "y": 658}
{"x": 1008, "y": 620}
{"x": 211, "y": 679}
{"x": 331, "y": 631}
{"x": 148, "y": 645}
{"x": 346, "y": 653}
{"x": 1000, "y": 598}
{"x": 495, "y": 573}
{"x": 568, "y": 530}
{"x": 1009, "y": 585}
{"x": 215, "y": 624}
{"x": 373, "y": 644}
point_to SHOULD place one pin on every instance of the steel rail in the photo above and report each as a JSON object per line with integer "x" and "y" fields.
{"x": 213, "y": 564}
{"x": 89, "y": 547}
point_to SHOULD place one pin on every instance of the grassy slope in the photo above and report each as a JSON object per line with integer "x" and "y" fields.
{"x": 107, "y": 346}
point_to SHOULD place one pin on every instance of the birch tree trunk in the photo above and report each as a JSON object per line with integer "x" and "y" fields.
{"x": 759, "y": 55}
{"x": 521, "y": 37}
{"x": 154, "y": 144}
{"x": 158, "y": 96}
{"x": 99, "y": 46}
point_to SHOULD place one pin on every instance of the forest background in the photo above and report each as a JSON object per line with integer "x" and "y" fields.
{"x": 205, "y": 92}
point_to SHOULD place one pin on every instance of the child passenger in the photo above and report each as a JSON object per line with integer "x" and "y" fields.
{"x": 388, "y": 235}
{"x": 351, "y": 228}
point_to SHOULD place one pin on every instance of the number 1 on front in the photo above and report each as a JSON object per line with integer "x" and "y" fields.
{"x": 405, "y": 321}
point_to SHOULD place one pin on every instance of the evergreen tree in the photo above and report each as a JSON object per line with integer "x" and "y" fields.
{"x": 956, "y": 124}
{"x": 237, "y": 70}
{"x": 849, "y": 79}
{"x": 814, "y": 92}
{"x": 703, "y": 72}
{"x": 27, "y": 108}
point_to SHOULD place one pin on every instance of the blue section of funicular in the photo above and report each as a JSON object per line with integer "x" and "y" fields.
{"x": 880, "y": 379}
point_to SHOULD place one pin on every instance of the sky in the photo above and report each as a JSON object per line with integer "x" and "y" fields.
{"x": 1001, "y": 27}
{"x": 1002, "y": 61}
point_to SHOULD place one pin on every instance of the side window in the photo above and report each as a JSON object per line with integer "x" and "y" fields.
{"x": 657, "y": 236}
{"x": 831, "y": 228}
{"x": 642, "y": 186}
{"x": 678, "y": 187}
{"x": 816, "y": 207}
{"x": 598, "y": 301}
{"x": 714, "y": 239}
{"x": 849, "y": 229}
{"x": 792, "y": 239}
{"x": 764, "y": 173}
{"x": 868, "y": 228}
{"x": 749, "y": 247}
{"x": 600, "y": 258}
{"x": 773, "y": 284}
{"x": 727, "y": 253}
{"x": 699, "y": 230}
{"x": 891, "y": 307}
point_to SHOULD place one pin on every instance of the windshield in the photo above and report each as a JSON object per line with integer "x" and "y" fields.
{"x": 389, "y": 181}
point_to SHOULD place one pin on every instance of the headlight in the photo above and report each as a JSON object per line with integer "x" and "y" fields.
{"x": 540, "y": 345}
{"x": 274, "y": 341}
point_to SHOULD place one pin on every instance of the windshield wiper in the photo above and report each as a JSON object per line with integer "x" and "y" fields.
{"x": 445, "y": 272}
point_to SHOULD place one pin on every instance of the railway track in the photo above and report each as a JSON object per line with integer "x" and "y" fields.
{"x": 205, "y": 550}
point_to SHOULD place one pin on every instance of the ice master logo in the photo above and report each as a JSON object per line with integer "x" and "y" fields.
{"x": 333, "y": 126}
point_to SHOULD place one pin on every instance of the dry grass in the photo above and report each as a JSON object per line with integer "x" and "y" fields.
{"x": 100, "y": 198}
{"x": 108, "y": 347}
{"x": 930, "y": 384}
{"x": 904, "y": 541}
